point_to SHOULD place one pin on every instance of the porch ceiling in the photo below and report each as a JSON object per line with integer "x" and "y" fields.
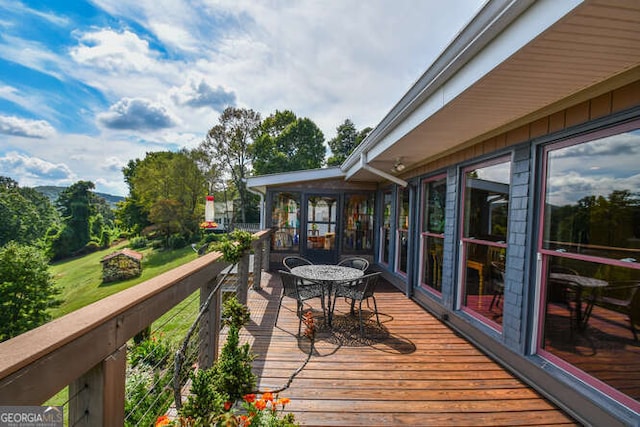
{"x": 595, "y": 42}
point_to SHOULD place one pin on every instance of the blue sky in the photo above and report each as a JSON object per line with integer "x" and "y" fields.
{"x": 87, "y": 86}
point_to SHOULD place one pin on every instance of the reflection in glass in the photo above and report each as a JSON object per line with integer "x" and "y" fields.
{"x": 385, "y": 227}
{"x": 593, "y": 207}
{"x": 285, "y": 217}
{"x": 486, "y": 208}
{"x": 487, "y": 202}
{"x": 432, "y": 249}
{"x": 432, "y": 237}
{"x": 591, "y": 248}
{"x": 358, "y": 222}
{"x": 592, "y": 320}
{"x": 403, "y": 230}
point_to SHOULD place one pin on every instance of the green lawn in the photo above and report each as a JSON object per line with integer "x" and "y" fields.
{"x": 80, "y": 279}
{"x": 80, "y": 282}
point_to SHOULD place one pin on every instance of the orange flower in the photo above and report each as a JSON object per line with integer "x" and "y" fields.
{"x": 268, "y": 396}
{"x": 162, "y": 421}
{"x": 284, "y": 401}
{"x": 246, "y": 421}
{"x": 261, "y": 404}
{"x": 249, "y": 398}
{"x": 227, "y": 405}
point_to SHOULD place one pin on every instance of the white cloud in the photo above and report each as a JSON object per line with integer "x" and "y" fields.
{"x": 198, "y": 93}
{"x": 113, "y": 51}
{"x": 16, "y": 126}
{"x": 138, "y": 115}
{"x": 33, "y": 169}
{"x": 168, "y": 67}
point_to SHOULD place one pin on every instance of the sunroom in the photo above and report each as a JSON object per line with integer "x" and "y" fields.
{"x": 501, "y": 193}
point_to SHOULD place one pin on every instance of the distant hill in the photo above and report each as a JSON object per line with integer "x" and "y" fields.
{"x": 52, "y": 192}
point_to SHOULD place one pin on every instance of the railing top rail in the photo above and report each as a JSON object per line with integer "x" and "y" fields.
{"x": 37, "y": 364}
{"x": 35, "y": 344}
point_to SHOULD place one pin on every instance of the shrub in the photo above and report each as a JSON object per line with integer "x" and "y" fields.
{"x": 138, "y": 242}
{"x": 234, "y": 245}
{"x": 177, "y": 241}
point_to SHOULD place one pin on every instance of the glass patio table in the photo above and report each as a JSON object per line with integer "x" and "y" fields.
{"x": 327, "y": 275}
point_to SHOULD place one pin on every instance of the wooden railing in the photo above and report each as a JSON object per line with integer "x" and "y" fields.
{"x": 86, "y": 349}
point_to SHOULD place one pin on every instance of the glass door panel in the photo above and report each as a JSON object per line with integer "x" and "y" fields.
{"x": 589, "y": 240}
{"x": 432, "y": 233}
{"x": 385, "y": 227}
{"x": 285, "y": 217}
{"x": 358, "y": 223}
{"x": 485, "y": 218}
{"x": 321, "y": 228}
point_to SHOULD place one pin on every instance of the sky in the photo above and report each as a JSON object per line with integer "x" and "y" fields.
{"x": 86, "y": 86}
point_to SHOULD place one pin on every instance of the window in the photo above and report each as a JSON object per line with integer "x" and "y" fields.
{"x": 484, "y": 237}
{"x": 385, "y": 227}
{"x": 590, "y": 247}
{"x": 358, "y": 223}
{"x": 285, "y": 217}
{"x": 402, "y": 238}
{"x": 432, "y": 233}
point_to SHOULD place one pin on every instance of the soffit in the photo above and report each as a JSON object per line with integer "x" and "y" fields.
{"x": 595, "y": 42}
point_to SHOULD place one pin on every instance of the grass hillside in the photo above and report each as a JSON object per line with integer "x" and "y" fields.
{"x": 80, "y": 279}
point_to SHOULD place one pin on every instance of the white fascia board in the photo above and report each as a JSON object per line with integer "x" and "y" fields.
{"x": 263, "y": 181}
{"x": 524, "y": 27}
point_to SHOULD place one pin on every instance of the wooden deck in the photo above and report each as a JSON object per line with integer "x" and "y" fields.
{"x": 414, "y": 371}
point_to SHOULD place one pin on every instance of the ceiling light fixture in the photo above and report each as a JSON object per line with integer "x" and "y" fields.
{"x": 398, "y": 166}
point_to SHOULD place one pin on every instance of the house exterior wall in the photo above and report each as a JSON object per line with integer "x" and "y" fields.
{"x": 514, "y": 345}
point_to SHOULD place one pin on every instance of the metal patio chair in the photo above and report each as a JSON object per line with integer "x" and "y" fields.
{"x": 293, "y": 287}
{"x": 362, "y": 290}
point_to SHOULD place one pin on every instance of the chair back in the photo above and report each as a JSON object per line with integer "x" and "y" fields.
{"x": 355, "y": 262}
{"x": 289, "y": 284}
{"x": 293, "y": 261}
{"x": 497, "y": 272}
{"x": 369, "y": 284}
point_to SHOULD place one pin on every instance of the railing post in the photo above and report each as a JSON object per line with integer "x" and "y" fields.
{"x": 266, "y": 252}
{"x": 257, "y": 264}
{"x": 243, "y": 279}
{"x": 97, "y": 397}
{"x": 209, "y": 326}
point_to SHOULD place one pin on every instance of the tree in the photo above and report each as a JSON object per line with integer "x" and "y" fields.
{"x": 163, "y": 176}
{"x": 75, "y": 206}
{"x": 227, "y": 144}
{"x": 27, "y": 289}
{"x": 25, "y": 214}
{"x": 86, "y": 218}
{"x": 287, "y": 143}
{"x": 166, "y": 214}
{"x": 345, "y": 141}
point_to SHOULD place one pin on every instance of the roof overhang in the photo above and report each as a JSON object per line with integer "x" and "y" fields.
{"x": 260, "y": 183}
{"x": 514, "y": 62}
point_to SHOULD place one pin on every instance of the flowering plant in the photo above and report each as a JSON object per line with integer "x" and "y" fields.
{"x": 256, "y": 412}
{"x": 260, "y": 412}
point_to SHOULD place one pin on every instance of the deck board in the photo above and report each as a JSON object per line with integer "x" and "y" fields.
{"x": 414, "y": 371}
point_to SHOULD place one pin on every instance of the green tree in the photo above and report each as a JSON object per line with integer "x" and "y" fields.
{"x": 26, "y": 289}
{"x": 287, "y": 143}
{"x": 227, "y": 145}
{"x": 161, "y": 176}
{"x": 76, "y": 209}
{"x": 166, "y": 214}
{"x": 25, "y": 214}
{"x": 345, "y": 141}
